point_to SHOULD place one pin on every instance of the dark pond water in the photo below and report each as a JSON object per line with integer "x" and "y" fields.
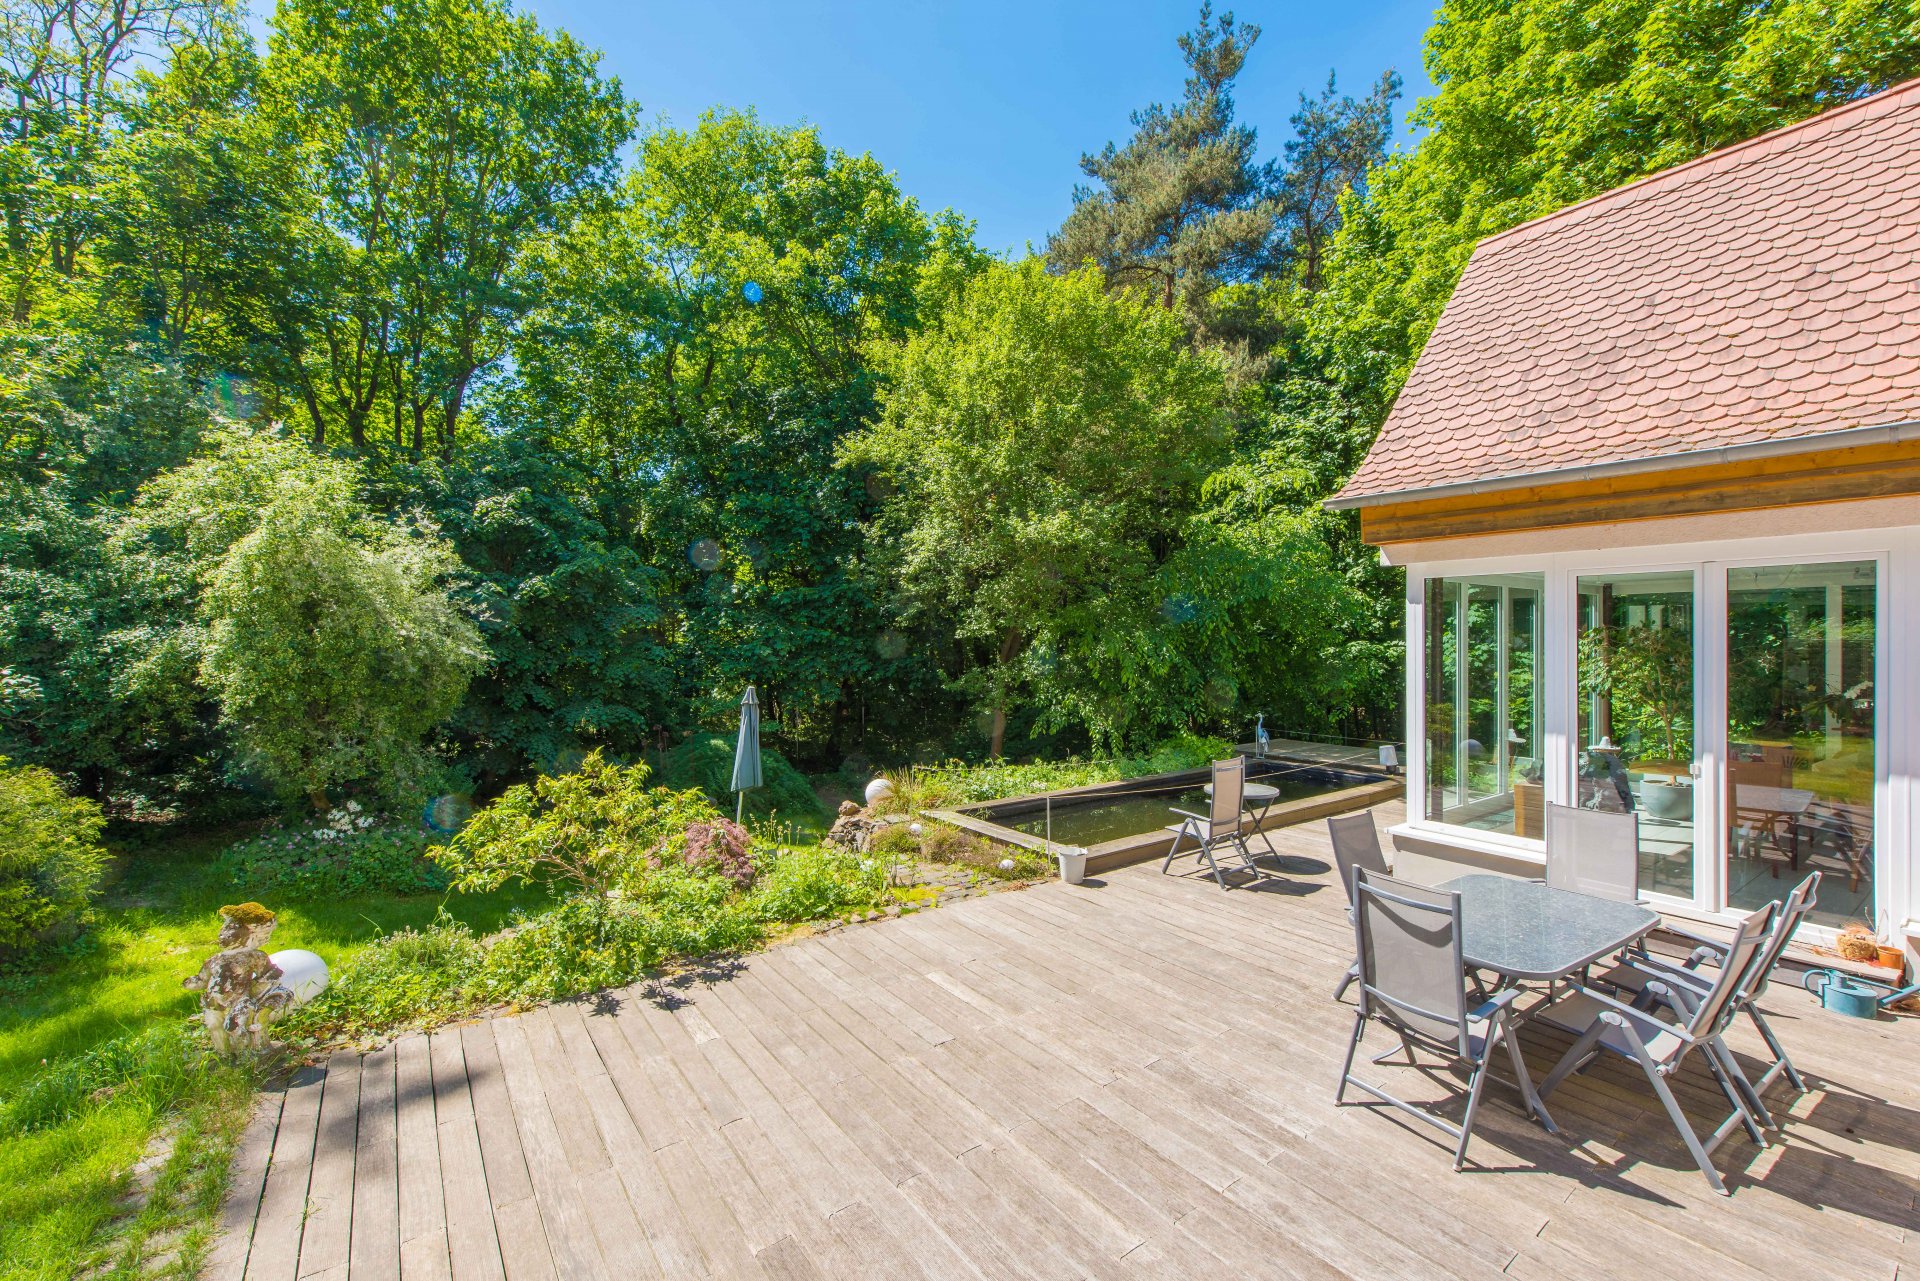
{"x": 1107, "y": 818}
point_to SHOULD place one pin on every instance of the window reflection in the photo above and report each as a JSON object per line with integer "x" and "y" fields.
{"x": 1800, "y": 726}
{"x": 1483, "y": 726}
{"x": 1635, "y": 739}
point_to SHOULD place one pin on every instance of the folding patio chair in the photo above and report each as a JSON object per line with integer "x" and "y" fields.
{"x": 1221, "y": 824}
{"x": 1632, "y": 977}
{"x": 1594, "y": 852}
{"x": 1660, "y": 1046}
{"x": 1413, "y": 978}
{"x": 1356, "y": 843}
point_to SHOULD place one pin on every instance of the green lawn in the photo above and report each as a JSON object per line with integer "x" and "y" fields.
{"x": 61, "y": 1185}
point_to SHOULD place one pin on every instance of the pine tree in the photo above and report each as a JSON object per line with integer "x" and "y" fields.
{"x": 1184, "y": 206}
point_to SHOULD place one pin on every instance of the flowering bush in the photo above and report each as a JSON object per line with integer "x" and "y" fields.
{"x": 722, "y": 846}
{"x": 348, "y": 850}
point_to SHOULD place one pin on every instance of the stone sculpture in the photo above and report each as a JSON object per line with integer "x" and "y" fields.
{"x": 240, "y": 989}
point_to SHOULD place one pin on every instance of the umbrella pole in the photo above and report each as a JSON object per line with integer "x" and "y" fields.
{"x": 740, "y": 805}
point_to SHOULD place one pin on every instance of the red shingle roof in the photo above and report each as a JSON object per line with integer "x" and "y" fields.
{"x": 1768, "y": 291}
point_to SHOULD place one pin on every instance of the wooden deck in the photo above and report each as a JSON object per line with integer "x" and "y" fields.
{"x": 1125, "y": 1079}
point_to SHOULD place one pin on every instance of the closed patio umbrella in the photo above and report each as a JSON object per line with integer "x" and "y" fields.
{"x": 746, "y": 753}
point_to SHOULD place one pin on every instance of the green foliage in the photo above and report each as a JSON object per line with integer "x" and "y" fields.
{"x": 591, "y": 942}
{"x": 705, "y": 761}
{"x": 598, "y": 829}
{"x": 409, "y": 978}
{"x": 812, "y": 882}
{"x": 326, "y": 636}
{"x": 50, "y": 857}
{"x": 1645, "y": 675}
{"x": 157, "y": 1064}
{"x": 1186, "y": 215}
{"x": 924, "y": 787}
{"x": 571, "y": 613}
{"x": 1046, "y": 441}
{"x": 1546, "y": 102}
{"x": 430, "y": 142}
{"x": 703, "y": 423}
{"x": 345, "y": 851}
{"x": 332, "y": 656}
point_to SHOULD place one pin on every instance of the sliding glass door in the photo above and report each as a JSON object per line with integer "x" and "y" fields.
{"x": 1482, "y": 716}
{"x": 1801, "y": 677}
{"x": 1634, "y": 738}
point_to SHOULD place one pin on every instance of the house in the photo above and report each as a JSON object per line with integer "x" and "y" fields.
{"x": 1655, "y": 482}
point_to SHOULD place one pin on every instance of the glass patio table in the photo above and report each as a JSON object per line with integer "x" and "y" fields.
{"x": 1526, "y": 930}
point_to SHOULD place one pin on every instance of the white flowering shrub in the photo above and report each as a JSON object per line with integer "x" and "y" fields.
{"x": 347, "y": 850}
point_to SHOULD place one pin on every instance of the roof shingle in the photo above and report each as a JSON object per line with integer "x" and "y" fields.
{"x": 1768, "y": 291}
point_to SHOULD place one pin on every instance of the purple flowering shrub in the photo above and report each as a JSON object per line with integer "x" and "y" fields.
{"x": 721, "y": 846}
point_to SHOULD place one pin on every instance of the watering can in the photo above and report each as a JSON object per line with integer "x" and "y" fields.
{"x": 1856, "y": 998}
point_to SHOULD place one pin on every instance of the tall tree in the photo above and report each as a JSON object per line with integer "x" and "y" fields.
{"x": 1047, "y": 442}
{"x": 64, "y": 70}
{"x": 1184, "y": 206}
{"x": 1540, "y": 103}
{"x": 1336, "y": 140}
{"x": 439, "y": 138}
{"x": 699, "y": 353}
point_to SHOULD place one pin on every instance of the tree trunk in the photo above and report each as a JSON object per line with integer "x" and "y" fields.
{"x": 1009, "y": 650}
{"x": 317, "y": 796}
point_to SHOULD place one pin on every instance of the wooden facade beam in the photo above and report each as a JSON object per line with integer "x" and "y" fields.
{"x": 1827, "y": 476}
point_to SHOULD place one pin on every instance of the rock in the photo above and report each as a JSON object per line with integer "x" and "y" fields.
{"x": 854, "y": 828}
{"x": 893, "y": 909}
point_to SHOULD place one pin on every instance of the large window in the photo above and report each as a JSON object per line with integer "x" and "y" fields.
{"x": 1800, "y": 722}
{"x": 1634, "y": 744}
{"x": 1483, "y": 715}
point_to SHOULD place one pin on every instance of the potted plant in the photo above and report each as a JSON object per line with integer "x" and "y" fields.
{"x": 1645, "y": 676}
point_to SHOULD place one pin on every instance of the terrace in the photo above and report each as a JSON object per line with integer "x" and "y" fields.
{"x": 1130, "y": 1077}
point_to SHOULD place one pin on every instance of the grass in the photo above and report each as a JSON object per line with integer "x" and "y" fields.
{"x": 116, "y": 996}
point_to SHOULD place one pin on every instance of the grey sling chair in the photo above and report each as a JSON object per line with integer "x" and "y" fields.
{"x": 1356, "y": 843}
{"x": 1600, "y": 1022}
{"x": 1413, "y": 979}
{"x": 1642, "y": 966}
{"x": 1594, "y": 852}
{"x": 1221, "y": 824}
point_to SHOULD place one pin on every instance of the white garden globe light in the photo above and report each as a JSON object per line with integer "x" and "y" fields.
{"x": 302, "y": 973}
{"x": 878, "y": 790}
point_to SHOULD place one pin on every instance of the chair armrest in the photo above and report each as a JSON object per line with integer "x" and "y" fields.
{"x": 1700, "y": 941}
{"x": 1637, "y": 1016}
{"x": 1655, "y": 967}
{"x": 1198, "y": 818}
{"x": 1499, "y": 1001}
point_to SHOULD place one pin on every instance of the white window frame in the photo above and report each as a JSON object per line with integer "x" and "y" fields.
{"x": 1895, "y": 553}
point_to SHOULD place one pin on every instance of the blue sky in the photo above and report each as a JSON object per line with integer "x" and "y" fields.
{"x": 984, "y": 107}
